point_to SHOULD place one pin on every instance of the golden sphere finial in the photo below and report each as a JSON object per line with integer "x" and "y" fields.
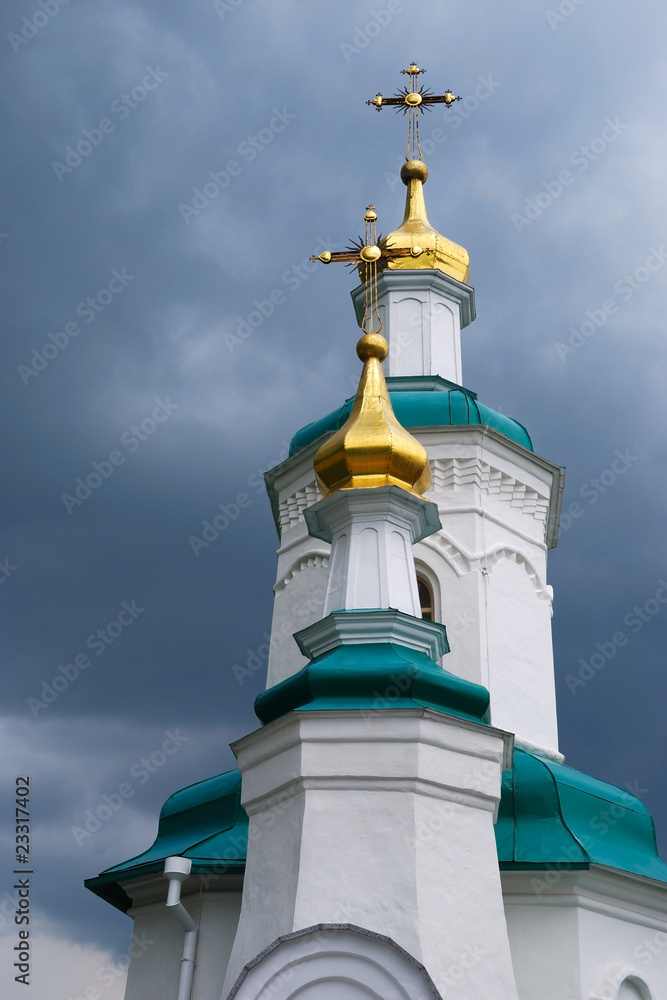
{"x": 414, "y": 170}
{"x": 372, "y": 345}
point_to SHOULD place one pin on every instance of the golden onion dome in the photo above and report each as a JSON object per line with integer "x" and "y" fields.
{"x": 372, "y": 449}
{"x": 416, "y": 232}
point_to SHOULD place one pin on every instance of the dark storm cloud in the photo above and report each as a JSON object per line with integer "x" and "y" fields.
{"x": 217, "y": 147}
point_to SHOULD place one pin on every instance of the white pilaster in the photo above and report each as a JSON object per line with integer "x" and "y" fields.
{"x": 422, "y": 313}
{"x": 371, "y": 533}
{"x": 383, "y": 819}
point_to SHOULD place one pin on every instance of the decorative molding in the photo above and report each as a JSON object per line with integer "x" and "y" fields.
{"x": 291, "y": 508}
{"x": 341, "y": 627}
{"x": 463, "y": 561}
{"x": 428, "y": 281}
{"x": 315, "y": 559}
{"x": 334, "y": 954}
{"x": 457, "y": 474}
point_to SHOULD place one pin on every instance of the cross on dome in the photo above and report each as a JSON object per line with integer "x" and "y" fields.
{"x": 413, "y": 100}
{"x": 368, "y": 248}
{"x": 415, "y": 245}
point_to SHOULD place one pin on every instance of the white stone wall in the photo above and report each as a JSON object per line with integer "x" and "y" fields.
{"x": 586, "y": 935}
{"x": 383, "y": 820}
{"x": 154, "y": 969}
{"x": 335, "y": 963}
{"x": 487, "y": 566}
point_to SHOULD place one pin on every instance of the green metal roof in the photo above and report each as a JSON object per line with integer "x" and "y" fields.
{"x": 372, "y": 676}
{"x": 435, "y": 403}
{"x": 205, "y": 822}
{"x": 552, "y": 814}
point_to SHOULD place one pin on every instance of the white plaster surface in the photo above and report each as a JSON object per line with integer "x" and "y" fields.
{"x": 392, "y": 830}
{"x": 154, "y": 972}
{"x": 334, "y": 963}
{"x": 371, "y": 563}
{"x": 587, "y": 935}
{"x": 422, "y": 315}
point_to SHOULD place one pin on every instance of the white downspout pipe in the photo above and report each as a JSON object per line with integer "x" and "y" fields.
{"x": 176, "y": 870}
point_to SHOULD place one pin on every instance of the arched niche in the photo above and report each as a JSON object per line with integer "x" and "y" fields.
{"x": 334, "y": 962}
{"x": 633, "y": 988}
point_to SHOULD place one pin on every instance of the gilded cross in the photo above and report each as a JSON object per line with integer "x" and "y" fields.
{"x": 369, "y": 254}
{"x": 412, "y": 100}
{"x": 368, "y": 249}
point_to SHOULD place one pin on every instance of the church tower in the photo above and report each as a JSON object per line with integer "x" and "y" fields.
{"x": 401, "y": 824}
{"x": 485, "y": 571}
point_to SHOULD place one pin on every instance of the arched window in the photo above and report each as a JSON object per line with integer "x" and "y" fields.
{"x": 632, "y": 989}
{"x": 426, "y": 598}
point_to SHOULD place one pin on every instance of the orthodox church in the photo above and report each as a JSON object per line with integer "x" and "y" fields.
{"x": 402, "y": 824}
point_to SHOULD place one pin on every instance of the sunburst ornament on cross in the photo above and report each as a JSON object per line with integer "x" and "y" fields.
{"x": 413, "y": 100}
{"x": 370, "y": 254}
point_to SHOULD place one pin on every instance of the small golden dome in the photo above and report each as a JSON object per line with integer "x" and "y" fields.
{"x": 372, "y": 449}
{"x": 416, "y": 231}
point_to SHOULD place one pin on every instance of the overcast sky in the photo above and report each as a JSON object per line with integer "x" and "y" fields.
{"x": 553, "y": 178}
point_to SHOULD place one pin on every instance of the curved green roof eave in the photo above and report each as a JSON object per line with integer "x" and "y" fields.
{"x": 550, "y": 814}
{"x": 204, "y": 822}
{"x": 455, "y": 407}
{"x": 553, "y": 814}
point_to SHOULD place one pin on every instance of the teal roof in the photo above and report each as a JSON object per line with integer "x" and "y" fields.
{"x": 552, "y": 814}
{"x": 371, "y": 676}
{"x": 434, "y": 404}
{"x": 205, "y": 822}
